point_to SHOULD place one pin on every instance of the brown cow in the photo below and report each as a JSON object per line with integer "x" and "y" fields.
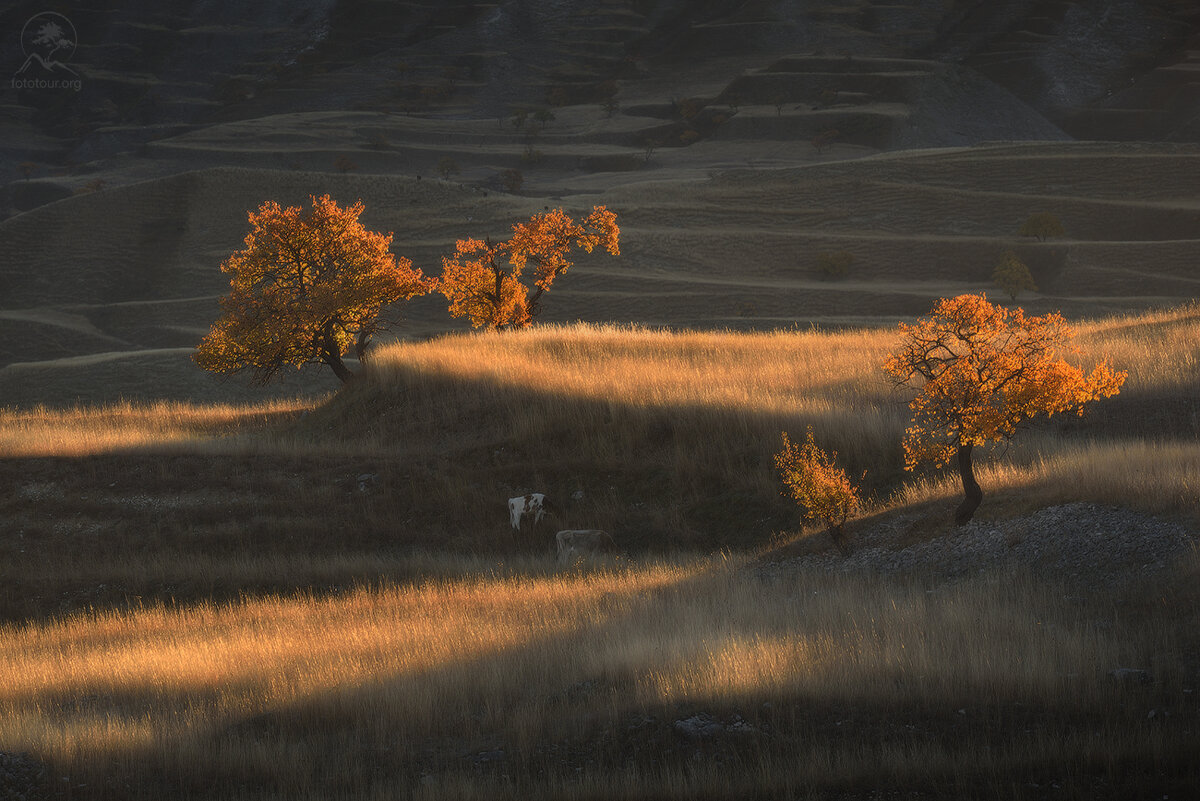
{"x": 576, "y": 544}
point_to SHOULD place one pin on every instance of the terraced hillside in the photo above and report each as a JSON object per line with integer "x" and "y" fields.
{"x": 737, "y": 142}
{"x": 137, "y": 277}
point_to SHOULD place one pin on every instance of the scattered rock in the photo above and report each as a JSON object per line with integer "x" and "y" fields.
{"x": 699, "y": 727}
{"x": 22, "y": 778}
{"x": 1084, "y": 542}
{"x": 1131, "y": 675}
{"x": 581, "y": 690}
{"x": 367, "y": 481}
{"x": 489, "y": 757}
{"x": 577, "y": 495}
{"x": 703, "y": 726}
{"x": 739, "y": 726}
{"x": 640, "y": 722}
{"x": 40, "y": 491}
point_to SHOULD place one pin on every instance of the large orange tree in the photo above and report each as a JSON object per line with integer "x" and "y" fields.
{"x": 309, "y": 285}
{"x": 982, "y": 372}
{"x": 485, "y": 282}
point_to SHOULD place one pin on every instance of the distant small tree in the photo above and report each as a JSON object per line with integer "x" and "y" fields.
{"x": 982, "y": 372}
{"x": 344, "y": 164}
{"x": 688, "y": 108}
{"x": 308, "y": 286}
{"x": 512, "y": 179}
{"x": 608, "y": 97}
{"x": 531, "y": 155}
{"x": 433, "y": 94}
{"x": 1012, "y": 275}
{"x": 1042, "y": 224}
{"x": 825, "y": 139}
{"x": 484, "y": 281}
{"x": 94, "y": 185}
{"x": 543, "y": 117}
{"x": 823, "y": 490}
{"x": 447, "y": 167}
{"x": 835, "y": 264}
{"x": 518, "y": 118}
{"x": 454, "y": 74}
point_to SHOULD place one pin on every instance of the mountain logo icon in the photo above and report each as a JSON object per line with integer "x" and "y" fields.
{"x": 48, "y": 40}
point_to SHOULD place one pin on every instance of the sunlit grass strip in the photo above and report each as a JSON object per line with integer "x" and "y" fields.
{"x": 433, "y": 662}
{"x": 832, "y": 378}
{"x": 118, "y": 681}
{"x": 127, "y": 426}
{"x": 1159, "y": 349}
{"x": 766, "y": 372}
{"x": 1157, "y": 477}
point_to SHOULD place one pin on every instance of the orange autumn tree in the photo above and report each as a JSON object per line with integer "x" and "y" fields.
{"x": 308, "y": 286}
{"x": 982, "y": 372}
{"x": 484, "y": 281}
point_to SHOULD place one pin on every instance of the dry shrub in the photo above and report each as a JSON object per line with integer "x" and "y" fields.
{"x": 815, "y": 481}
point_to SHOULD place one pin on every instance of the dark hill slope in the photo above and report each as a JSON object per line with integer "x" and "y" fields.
{"x": 148, "y": 65}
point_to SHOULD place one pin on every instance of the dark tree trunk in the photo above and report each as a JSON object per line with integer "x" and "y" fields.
{"x": 330, "y": 355}
{"x": 338, "y": 366}
{"x": 841, "y": 540}
{"x": 971, "y": 489}
{"x": 361, "y": 344}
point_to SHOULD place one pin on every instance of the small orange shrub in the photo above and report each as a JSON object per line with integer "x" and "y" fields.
{"x": 815, "y": 481}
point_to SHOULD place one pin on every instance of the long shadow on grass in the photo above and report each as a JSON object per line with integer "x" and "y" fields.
{"x": 444, "y": 454}
{"x": 416, "y": 461}
{"x": 718, "y": 685}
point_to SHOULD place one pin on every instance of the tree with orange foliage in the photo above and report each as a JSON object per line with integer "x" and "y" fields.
{"x": 308, "y": 286}
{"x": 483, "y": 281}
{"x": 814, "y": 481}
{"x": 984, "y": 371}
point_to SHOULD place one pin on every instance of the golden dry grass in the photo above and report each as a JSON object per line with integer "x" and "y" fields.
{"x": 746, "y": 386}
{"x": 681, "y": 424}
{"x": 117, "y": 682}
{"x": 405, "y": 674}
{"x": 412, "y": 690}
{"x": 84, "y": 431}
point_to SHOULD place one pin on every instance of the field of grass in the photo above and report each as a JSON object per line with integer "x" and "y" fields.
{"x": 324, "y": 599}
{"x": 581, "y": 685}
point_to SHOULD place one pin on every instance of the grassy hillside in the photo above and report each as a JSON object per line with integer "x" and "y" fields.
{"x": 325, "y": 600}
{"x": 216, "y": 591}
{"x": 665, "y": 439}
{"x": 701, "y": 247}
